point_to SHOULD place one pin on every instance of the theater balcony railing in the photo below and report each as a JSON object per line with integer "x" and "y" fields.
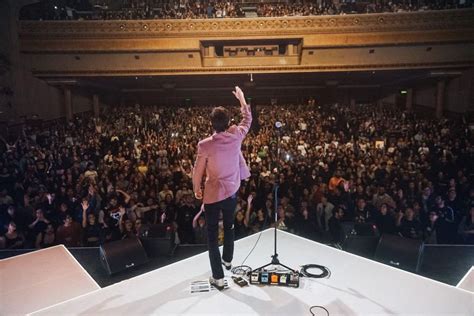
{"x": 430, "y": 39}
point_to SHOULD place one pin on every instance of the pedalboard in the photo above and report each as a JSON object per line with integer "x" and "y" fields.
{"x": 291, "y": 279}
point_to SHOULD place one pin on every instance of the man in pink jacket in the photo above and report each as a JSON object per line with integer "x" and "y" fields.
{"x": 220, "y": 158}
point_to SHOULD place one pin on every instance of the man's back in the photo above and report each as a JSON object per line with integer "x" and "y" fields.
{"x": 223, "y": 161}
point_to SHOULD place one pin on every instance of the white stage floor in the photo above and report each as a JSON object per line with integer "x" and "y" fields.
{"x": 41, "y": 278}
{"x": 357, "y": 286}
{"x": 467, "y": 282}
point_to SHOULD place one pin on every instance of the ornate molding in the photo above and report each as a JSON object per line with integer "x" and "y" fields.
{"x": 387, "y": 22}
{"x": 254, "y": 69}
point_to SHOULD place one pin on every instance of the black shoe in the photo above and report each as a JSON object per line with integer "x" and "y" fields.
{"x": 227, "y": 265}
{"x": 217, "y": 283}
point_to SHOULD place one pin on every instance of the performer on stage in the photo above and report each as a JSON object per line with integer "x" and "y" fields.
{"x": 220, "y": 157}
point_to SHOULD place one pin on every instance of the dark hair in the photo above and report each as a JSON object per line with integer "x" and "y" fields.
{"x": 219, "y": 119}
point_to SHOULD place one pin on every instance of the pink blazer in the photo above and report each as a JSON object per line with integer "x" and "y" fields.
{"x": 220, "y": 157}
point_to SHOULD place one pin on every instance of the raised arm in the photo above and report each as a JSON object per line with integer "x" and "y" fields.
{"x": 85, "y": 206}
{"x": 244, "y": 125}
{"x": 121, "y": 224}
{"x": 126, "y": 196}
{"x": 247, "y": 212}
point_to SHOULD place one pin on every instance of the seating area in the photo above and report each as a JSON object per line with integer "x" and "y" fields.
{"x": 209, "y": 9}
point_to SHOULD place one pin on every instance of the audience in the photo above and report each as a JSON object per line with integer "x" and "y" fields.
{"x": 94, "y": 180}
{"x": 207, "y": 9}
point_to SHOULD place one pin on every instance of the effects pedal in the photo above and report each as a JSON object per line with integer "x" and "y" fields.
{"x": 240, "y": 281}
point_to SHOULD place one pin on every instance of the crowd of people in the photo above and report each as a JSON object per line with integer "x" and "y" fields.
{"x": 205, "y": 9}
{"x": 94, "y": 180}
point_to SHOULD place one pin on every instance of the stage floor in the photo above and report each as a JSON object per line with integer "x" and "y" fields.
{"x": 467, "y": 282}
{"x": 41, "y": 278}
{"x": 357, "y": 286}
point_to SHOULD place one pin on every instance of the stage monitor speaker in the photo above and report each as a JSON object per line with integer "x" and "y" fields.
{"x": 400, "y": 252}
{"x": 123, "y": 254}
{"x": 159, "y": 240}
{"x": 361, "y": 245}
{"x": 439, "y": 264}
{"x": 366, "y": 229}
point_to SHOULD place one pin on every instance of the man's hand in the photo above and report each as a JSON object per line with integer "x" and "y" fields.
{"x": 239, "y": 94}
{"x": 249, "y": 199}
{"x": 198, "y": 195}
{"x": 122, "y": 210}
{"x": 85, "y": 205}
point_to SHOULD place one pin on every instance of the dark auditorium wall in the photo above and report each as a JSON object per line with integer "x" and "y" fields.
{"x": 30, "y": 95}
{"x": 5, "y": 81}
{"x": 81, "y": 102}
{"x": 459, "y": 95}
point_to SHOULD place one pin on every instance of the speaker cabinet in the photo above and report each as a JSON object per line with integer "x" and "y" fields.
{"x": 400, "y": 252}
{"x": 123, "y": 254}
{"x": 361, "y": 245}
{"x": 159, "y": 240}
{"x": 447, "y": 263}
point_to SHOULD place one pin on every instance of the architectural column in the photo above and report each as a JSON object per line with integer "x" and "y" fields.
{"x": 67, "y": 103}
{"x": 291, "y": 50}
{"x": 409, "y": 100}
{"x": 95, "y": 105}
{"x": 353, "y": 104}
{"x": 212, "y": 51}
{"x": 440, "y": 89}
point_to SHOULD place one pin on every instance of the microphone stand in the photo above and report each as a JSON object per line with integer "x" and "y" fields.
{"x": 276, "y": 186}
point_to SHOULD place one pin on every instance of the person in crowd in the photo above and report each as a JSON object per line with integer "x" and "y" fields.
{"x": 305, "y": 223}
{"x": 385, "y": 221}
{"x": 91, "y": 229}
{"x": 446, "y": 232}
{"x": 363, "y": 212}
{"x": 12, "y": 239}
{"x": 240, "y": 225}
{"x": 283, "y": 222}
{"x": 381, "y": 197}
{"x": 200, "y": 228}
{"x": 409, "y": 226}
{"x": 184, "y": 220}
{"x": 38, "y": 225}
{"x": 430, "y": 228}
{"x": 13, "y": 214}
{"x": 47, "y": 238}
{"x": 335, "y": 227}
{"x": 466, "y": 227}
{"x": 69, "y": 233}
{"x": 127, "y": 228}
{"x": 323, "y": 214}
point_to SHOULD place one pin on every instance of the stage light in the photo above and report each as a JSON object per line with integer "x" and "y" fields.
{"x": 403, "y": 91}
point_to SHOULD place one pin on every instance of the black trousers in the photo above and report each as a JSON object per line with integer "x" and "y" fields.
{"x": 212, "y": 212}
